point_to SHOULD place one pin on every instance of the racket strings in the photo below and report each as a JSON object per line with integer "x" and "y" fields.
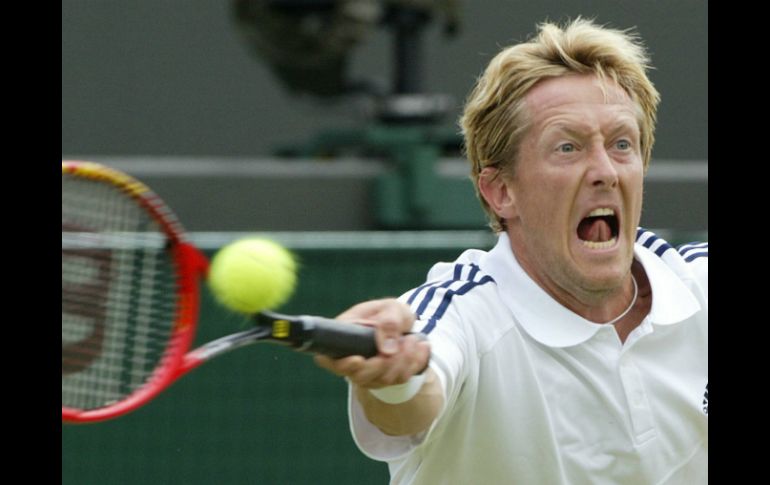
{"x": 118, "y": 294}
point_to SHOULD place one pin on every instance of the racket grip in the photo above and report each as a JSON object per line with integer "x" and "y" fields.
{"x": 340, "y": 339}
{"x": 337, "y": 339}
{"x": 320, "y": 335}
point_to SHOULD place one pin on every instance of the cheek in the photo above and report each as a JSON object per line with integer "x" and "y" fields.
{"x": 544, "y": 215}
{"x": 635, "y": 191}
{"x": 544, "y": 192}
{"x": 549, "y": 199}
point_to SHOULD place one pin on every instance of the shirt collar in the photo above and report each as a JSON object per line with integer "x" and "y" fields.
{"x": 672, "y": 301}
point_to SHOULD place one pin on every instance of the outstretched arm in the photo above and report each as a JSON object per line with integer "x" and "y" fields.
{"x": 392, "y": 372}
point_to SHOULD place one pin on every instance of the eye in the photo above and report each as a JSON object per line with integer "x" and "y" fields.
{"x": 623, "y": 144}
{"x": 566, "y": 148}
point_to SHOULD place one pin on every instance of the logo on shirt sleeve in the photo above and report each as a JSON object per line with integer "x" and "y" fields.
{"x": 706, "y": 400}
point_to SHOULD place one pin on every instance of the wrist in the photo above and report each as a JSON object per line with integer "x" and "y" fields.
{"x": 400, "y": 393}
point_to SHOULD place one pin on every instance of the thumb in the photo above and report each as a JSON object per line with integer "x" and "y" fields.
{"x": 388, "y": 336}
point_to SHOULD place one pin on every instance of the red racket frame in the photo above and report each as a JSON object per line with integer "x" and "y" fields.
{"x": 191, "y": 265}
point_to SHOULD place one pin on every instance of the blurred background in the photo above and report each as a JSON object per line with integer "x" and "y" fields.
{"x": 330, "y": 126}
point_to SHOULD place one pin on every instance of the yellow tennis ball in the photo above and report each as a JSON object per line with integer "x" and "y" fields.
{"x": 253, "y": 274}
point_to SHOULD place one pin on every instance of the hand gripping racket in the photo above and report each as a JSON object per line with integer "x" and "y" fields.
{"x": 130, "y": 295}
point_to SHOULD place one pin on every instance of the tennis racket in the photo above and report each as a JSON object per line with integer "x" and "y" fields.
{"x": 130, "y": 297}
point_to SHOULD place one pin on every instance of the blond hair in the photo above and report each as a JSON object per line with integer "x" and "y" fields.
{"x": 495, "y": 118}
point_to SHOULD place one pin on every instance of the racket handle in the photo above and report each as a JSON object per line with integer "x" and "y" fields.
{"x": 320, "y": 335}
{"x": 338, "y": 339}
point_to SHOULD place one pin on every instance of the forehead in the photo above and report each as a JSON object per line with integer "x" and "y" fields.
{"x": 578, "y": 94}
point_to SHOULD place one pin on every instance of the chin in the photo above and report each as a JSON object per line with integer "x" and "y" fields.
{"x": 605, "y": 271}
{"x": 605, "y": 276}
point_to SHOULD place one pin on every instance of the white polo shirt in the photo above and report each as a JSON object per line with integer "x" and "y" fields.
{"x": 535, "y": 394}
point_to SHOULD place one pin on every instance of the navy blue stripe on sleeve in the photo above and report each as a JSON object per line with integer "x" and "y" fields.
{"x": 417, "y": 291}
{"x": 659, "y": 246}
{"x": 652, "y": 242}
{"x": 663, "y": 248}
{"x": 430, "y": 294}
{"x": 696, "y": 255}
{"x": 447, "y": 299}
{"x": 474, "y": 270}
{"x": 686, "y": 247}
{"x": 640, "y": 233}
{"x": 435, "y": 297}
{"x": 456, "y": 276}
{"x": 433, "y": 286}
{"x": 458, "y": 271}
{"x": 688, "y": 252}
{"x": 693, "y": 251}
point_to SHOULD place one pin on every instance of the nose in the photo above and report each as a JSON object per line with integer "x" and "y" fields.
{"x": 602, "y": 171}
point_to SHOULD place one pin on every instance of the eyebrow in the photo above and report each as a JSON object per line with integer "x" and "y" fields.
{"x": 577, "y": 128}
{"x": 623, "y": 124}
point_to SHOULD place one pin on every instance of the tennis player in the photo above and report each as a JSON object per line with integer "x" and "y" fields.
{"x": 576, "y": 350}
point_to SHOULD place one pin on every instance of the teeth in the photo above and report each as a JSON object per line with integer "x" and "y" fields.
{"x": 600, "y": 245}
{"x": 602, "y": 211}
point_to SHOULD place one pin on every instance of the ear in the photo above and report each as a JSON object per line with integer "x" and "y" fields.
{"x": 497, "y": 192}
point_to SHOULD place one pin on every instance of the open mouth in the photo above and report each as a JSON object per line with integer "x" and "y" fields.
{"x": 599, "y": 230}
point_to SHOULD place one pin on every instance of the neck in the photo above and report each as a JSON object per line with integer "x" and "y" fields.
{"x": 631, "y": 305}
{"x": 605, "y": 307}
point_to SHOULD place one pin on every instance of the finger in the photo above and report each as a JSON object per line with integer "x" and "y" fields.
{"x": 387, "y": 310}
{"x": 343, "y": 367}
{"x": 361, "y": 372}
{"x": 394, "y": 319}
{"x": 423, "y": 348}
{"x": 396, "y": 312}
{"x": 409, "y": 361}
{"x": 390, "y": 318}
{"x": 364, "y": 310}
{"x": 370, "y": 374}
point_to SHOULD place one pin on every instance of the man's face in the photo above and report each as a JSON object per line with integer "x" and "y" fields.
{"x": 576, "y": 189}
